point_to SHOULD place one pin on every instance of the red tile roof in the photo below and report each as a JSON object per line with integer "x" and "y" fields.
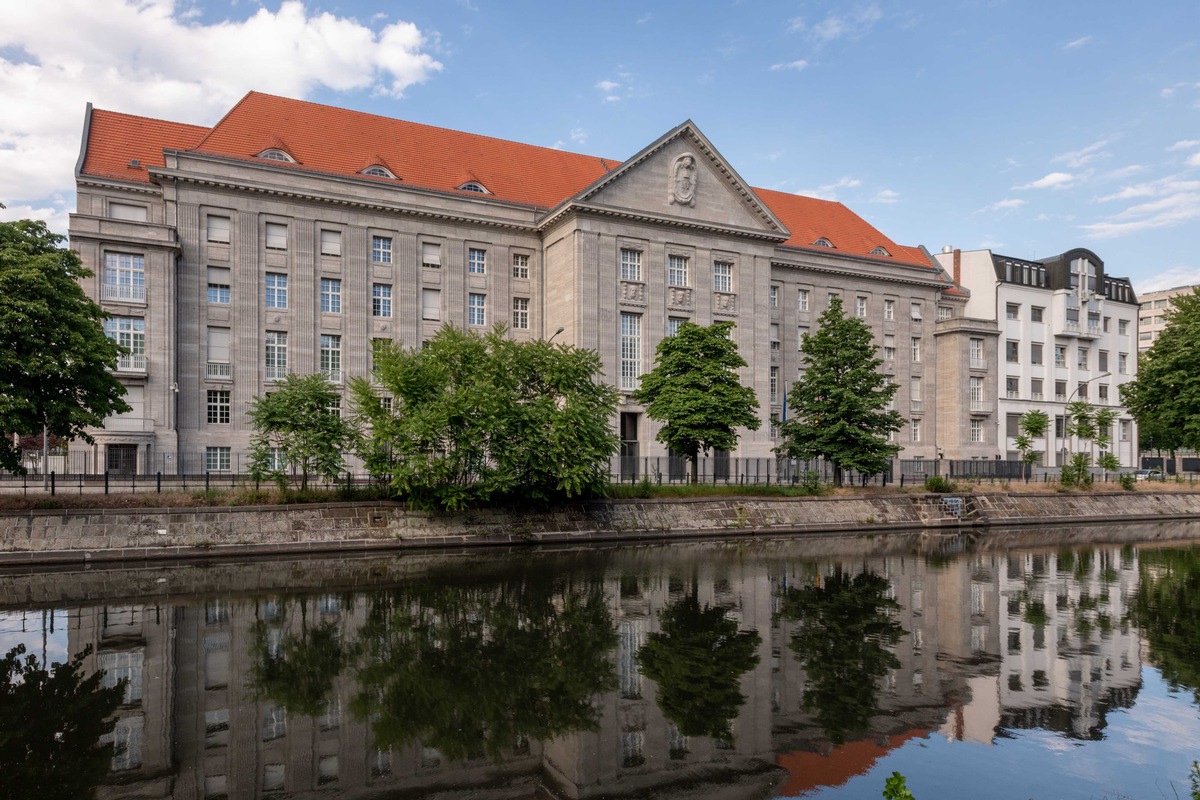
{"x": 116, "y": 139}
{"x": 339, "y": 141}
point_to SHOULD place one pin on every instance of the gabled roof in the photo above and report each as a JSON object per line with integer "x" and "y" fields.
{"x": 114, "y": 140}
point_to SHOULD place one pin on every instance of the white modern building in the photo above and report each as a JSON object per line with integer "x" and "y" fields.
{"x": 1066, "y": 333}
{"x": 1152, "y": 319}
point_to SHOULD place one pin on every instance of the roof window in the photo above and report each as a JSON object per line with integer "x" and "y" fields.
{"x": 275, "y": 154}
{"x": 823, "y": 242}
{"x": 474, "y": 186}
{"x": 881, "y": 251}
{"x": 377, "y": 171}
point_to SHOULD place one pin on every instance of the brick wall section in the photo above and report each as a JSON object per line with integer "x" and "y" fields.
{"x": 55, "y": 536}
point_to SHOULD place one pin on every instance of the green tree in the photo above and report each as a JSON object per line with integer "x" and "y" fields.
{"x": 1093, "y": 428}
{"x": 1166, "y": 610}
{"x": 697, "y": 658}
{"x": 1033, "y": 425}
{"x": 55, "y": 360}
{"x": 695, "y": 392}
{"x": 842, "y": 638}
{"x": 482, "y": 418}
{"x": 839, "y": 406}
{"x": 302, "y": 421}
{"x": 51, "y": 721}
{"x": 1165, "y": 396}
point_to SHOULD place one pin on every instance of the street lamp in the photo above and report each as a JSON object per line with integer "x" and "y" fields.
{"x": 556, "y": 333}
{"x": 1071, "y": 397}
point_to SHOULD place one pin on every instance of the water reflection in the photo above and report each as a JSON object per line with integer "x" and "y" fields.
{"x": 764, "y": 671}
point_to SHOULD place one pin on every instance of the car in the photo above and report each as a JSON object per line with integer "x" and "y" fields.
{"x": 1148, "y": 474}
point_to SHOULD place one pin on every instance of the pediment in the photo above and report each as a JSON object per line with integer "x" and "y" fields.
{"x": 681, "y": 177}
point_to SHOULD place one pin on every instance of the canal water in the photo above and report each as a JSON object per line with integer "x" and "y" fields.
{"x": 1016, "y": 665}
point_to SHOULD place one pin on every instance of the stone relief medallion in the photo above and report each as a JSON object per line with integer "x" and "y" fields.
{"x": 683, "y": 180}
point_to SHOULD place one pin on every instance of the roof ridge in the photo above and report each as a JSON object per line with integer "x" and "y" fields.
{"x": 226, "y": 116}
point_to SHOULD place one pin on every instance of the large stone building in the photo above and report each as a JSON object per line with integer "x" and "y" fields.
{"x": 1066, "y": 331}
{"x": 291, "y": 235}
{"x": 1152, "y": 320}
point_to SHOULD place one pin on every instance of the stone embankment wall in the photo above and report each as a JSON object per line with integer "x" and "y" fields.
{"x": 73, "y": 536}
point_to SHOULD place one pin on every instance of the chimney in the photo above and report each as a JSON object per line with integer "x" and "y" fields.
{"x": 957, "y": 267}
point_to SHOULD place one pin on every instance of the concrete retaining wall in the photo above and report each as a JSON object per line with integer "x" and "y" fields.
{"x": 112, "y": 534}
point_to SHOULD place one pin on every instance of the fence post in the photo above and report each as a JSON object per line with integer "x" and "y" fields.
{"x": 901, "y": 479}
{"x": 205, "y": 480}
{"x": 51, "y": 483}
{"x": 158, "y": 482}
{"x": 106, "y": 481}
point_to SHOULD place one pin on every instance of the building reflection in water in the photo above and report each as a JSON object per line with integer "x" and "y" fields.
{"x": 362, "y": 687}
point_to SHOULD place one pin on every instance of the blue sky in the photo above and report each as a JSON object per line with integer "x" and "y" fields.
{"x": 1027, "y": 127}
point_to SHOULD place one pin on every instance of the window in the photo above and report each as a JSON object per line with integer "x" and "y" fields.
{"x": 829, "y": 298}
{"x": 1123, "y": 327}
{"x": 677, "y": 271}
{"x": 125, "y": 666}
{"x": 801, "y": 332}
{"x": 130, "y": 333}
{"x": 1081, "y": 390}
{"x": 802, "y": 300}
{"x": 914, "y": 393}
{"x": 889, "y": 309}
{"x": 331, "y": 357}
{"x": 880, "y": 251}
{"x": 1012, "y": 352}
{"x": 722, "y": 276}
{"x": 1082, "y": 361}
{"x": 1012, "y": 311}
{"x": 915, "y": 429}
{"x": 274, "y": 723}
{"x": 1035, "y": 353}
{"x": 673, "y": 324}
{"x": 860, "y": 307}
{"x": 520, "y": 266}
{"x": 331, "y": 295}
{"x": 275, "y": 291}
{"x": 1060, "y": 355}
{"x": 774, "y": 334}
{"x": 774, "y": 385}
{"x": 976, "y": 352}
{"x": 276, "y": 236}
{"x": 1107, "y": 324}
{"x": 218, "y": 229}
{"x": 331, "y": 243}
{"x": 128, "y": 212}
{"x": 218, "y": 285}
{"x": 218, "y": 353}
{"x": 520, "y": 313}
{"x": 916, "y": 349}
{"x": 915, "y": 312}
{"x": 773, "y": 297}
{"x": 1145, "y": 336}
{"x": 823, "y": 242}
{"x": 1060, "y": 392}
{"x": 631, "y": 265}
{"x": 977, "y": 431}
{"x": 276, "y": 356}
{"x": 1036, "y": 313}
{"x": 377, "y": 346}
{"x": 889, "y": 347}
{"x": 476, "y": 309}
{"x": 124, "y": 276}
{"x": 1035, "y": 388}
{"x": 473, "y": 186}
{"x": 275, "y": 154}
{"x": 631, "y": 350}
{"x": 381, "y": 300}
{"x": 431, "y": 304}
{"x": 1012, "y": 388}
{"x": 431, "y": 255}
{"x": 1122, "y": 363}
{"x": 1125, "y": 426}
{"x": 945, "y": 312}
{"x": 975, "y": 393}
{"x": 1103, "y": 365}
{"x": 219, "y": 407}
{"x": 376, "y": 171}
{"x": 1103, "y": 389}
{"x": 476, "y": 261}
{"x": 381, "y": 249}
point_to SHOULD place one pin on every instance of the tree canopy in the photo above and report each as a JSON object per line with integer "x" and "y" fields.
{"x": 694, "y": 390}
{"x": 483, "y": 418}
{"x": 55, "y": 360}
{"x": 1165, "y": 396}
{"x": 299, "y": 425}
{"x": 839, "y": 405}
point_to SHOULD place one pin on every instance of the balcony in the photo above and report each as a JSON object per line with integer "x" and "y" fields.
{"x": 274, "y": 373}
{"x": 1013, "y": 395}
{"x": 124, "y": 292}
{"x": 1037, "y": 395}
{"x": 981, "y": 406}
{"x": 134, "y": 362}
{"x": 332, "y": 375}
{"x": 1060, "y": 398}
{"x": 218, "y": 370}
{"x": 917, "y": 405}
{"x": 978, "y": 363}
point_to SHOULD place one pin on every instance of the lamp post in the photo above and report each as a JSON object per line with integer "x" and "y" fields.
{"x": 556, "y": 333}
{"x": 1070, "y": 397}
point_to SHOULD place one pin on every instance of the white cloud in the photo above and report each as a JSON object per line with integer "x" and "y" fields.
{"x": 148, "y": 57}
{"x": 795, "y": 24}
{"x": 579, "y": 136}
{"x": 886, "y": 196}
{"x": 829, "y": 28}
{"x": 829, "y": 190}
{"x": 1007, "y": 204}
{"x": 796, "y": 65}
{"x": 1165, "y": 212}
{"x": 1169, "y": 279}
{"x": 1123, "y": 172}
{"x": 642, "y": 20}
{"x": 607, "y": 87}
{"x": 1185, "y": 144}
{"x": 1193, "y": 160}
{"x": 835, "y": 27}
{"x": 1079, "y": 158}
{"x": 1055, "y": 180}
{"x": 1158, "y": 188}
{"x": 988, "y": 243}
{"x": 1167, "y": 92}
{"x": 1075, "y": 44}
{"x": 55, "y": 216}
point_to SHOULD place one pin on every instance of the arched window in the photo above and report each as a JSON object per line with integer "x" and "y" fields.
{"x": 823, "y": 242}
{"x": 473, "y": 186}
{"x": 275, "y": 154}
{"x": 378, "y": 172}
{"x": 880, "y": 251}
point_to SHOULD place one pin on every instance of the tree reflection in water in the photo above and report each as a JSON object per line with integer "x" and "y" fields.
{"x": 50, "y": 723}
{"x": 841, "y": 639}
{"x": 474, "y": 670}
{"x": 697, "y": 659}
{"x": 1167, "y": 610}
{"x": 297, "y": 673}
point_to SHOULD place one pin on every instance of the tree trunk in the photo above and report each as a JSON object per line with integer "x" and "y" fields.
{"x": 695, "y": 459}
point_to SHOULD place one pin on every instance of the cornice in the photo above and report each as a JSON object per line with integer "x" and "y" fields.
{"x": 111, "y": 183}
{"x": 576, "y": 207}
{"x": 929, "y": 279}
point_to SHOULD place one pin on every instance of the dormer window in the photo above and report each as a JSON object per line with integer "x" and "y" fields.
{"x": 474, "y": 186}
{"x": 378, "y": 172}
{"x": 880, "y": 251}
{"x": 823, "y": 242}
{"x": 275, "y": 154}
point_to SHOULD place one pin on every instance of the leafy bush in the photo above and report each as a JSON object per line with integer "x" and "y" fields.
{"x": 895, "y": 788}
{"x": 936, "y": 483}
{"x": 1128, "y": 481}
{"x": 810, "y": 484}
